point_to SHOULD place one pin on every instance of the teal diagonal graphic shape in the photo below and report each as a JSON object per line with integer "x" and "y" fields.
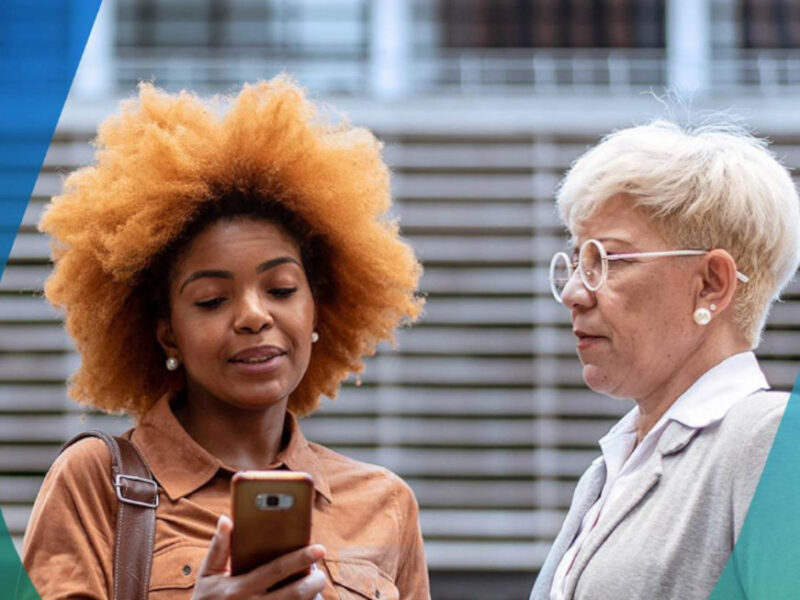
{"x": 765, "y": 563}
{"x": 41, "y": 42}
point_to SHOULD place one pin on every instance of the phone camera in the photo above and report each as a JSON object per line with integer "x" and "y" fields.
{"x": 270, "y": 501}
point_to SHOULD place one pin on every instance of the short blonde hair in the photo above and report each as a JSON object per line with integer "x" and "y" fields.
{"x": 706, "y": 187}
{"x": 162, "y": 161}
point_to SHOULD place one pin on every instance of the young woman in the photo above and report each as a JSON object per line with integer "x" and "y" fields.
{"x": 219, "y": 272}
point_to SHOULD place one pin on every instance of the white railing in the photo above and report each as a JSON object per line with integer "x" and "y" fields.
{"x": 203, "y": 69}
{"x": 547, "y": 70}
{"x": 763, "y": 72}
{"x": 464, "y": 71}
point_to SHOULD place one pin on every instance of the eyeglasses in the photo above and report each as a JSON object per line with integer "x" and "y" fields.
{"x": 592, "y": 265}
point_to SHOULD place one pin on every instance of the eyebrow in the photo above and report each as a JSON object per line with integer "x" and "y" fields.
{"x": 573, "y": 244}
{"x": 274, "y": 262}
{"x": 614, "y": 239}
{"x": 220, "y": 274}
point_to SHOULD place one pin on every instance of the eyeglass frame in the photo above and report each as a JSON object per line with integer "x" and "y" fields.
{"x": 572, "y": 266}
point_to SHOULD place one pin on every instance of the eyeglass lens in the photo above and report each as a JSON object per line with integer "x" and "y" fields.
{"x": 591, "y": 264}
{"x": 559, "y": 274}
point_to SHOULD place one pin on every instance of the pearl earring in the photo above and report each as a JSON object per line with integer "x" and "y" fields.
{"x": 702, "y": 316}
{"x": 314, "y": 337}
{"x": 172, "y": 363}
{"x": 713, "y": 307}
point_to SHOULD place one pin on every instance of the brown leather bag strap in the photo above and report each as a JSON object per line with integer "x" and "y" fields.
{"x": 137, "y": 492}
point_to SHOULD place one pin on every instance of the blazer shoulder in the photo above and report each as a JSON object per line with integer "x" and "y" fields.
{"x": 755, "y": 415}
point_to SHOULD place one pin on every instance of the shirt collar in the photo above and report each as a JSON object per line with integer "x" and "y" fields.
{"x": 182, "y": 466}
{"x": 710, "y": 398}
{"x": 617, "y": 443}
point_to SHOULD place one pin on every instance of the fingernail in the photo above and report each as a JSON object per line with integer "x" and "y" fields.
{"x": 317, "y": 551}
{"x": 224, "y": 520}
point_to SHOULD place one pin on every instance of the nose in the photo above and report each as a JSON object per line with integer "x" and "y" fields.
{"x": 575, "y": 294}
{"x": 252, "y": 314}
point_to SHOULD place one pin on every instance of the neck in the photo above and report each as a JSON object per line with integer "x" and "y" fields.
{"x": 240, "y": 438}
{"x": 652, "y": 406}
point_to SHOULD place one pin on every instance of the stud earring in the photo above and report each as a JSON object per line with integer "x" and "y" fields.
{"x": 172, "y": 363}
{"x": 702, "y": 316}
{"x": 314, "y": 337}
{"x": 713, "y": 307}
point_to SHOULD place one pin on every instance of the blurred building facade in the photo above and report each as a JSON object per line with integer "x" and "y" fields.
{"x": 482, "y": 104}
{"x": 412, "y": 47}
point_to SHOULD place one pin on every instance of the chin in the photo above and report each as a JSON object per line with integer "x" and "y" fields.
{"x": 599, "y": 380}
{"x": 255, "y": 399}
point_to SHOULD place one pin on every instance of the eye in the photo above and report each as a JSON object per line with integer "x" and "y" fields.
{"x": 210, "y": 304}
{"x": 619, "y": 261}
{"x": 283, "y": 292}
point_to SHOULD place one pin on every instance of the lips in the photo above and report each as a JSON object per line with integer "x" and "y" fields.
{"x": 586, "y": 339}
{"x": 580, "y": 333}
{"x": 257, "y": 355}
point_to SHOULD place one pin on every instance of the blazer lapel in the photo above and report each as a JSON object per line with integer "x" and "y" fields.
{"x": 675, "y": 437}
{"x": 586, "y": 494}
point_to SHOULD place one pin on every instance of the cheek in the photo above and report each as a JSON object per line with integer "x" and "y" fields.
{"x": 650, "y": 320}
{"x": 197, "y": 338}
{"x": 302, "y": 316}
{"x": 303, "y": 326}
{"x": 634, "y": 316}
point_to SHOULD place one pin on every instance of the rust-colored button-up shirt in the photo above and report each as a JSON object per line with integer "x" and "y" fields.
{"x": 365, "y": 516}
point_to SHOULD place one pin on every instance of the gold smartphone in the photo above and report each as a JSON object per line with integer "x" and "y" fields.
{"x": 271, "y": 517}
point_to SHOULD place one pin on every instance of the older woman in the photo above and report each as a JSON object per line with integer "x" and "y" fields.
{"x": 681, "y": 240}
{"x": 220, "y": 270}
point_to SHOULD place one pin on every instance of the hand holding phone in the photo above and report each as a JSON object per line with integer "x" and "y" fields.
{"x": 215, "y": 581}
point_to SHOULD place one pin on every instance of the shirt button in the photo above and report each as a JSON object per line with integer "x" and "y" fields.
{"x": 187, "y": 570}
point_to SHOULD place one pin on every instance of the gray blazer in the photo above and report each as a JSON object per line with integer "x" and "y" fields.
{"x": 672, "y": 536}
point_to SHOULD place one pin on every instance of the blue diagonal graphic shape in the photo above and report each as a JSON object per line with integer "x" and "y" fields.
{"x": 41, "y": 42}
{"x": 765, "y": 563}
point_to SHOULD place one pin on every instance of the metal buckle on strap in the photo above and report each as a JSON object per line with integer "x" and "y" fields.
{"x": 118, "y": 485}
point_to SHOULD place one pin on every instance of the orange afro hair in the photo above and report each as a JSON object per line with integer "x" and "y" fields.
{"x": 157, "y": 163}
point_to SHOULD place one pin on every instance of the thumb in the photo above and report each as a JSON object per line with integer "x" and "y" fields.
{"x": 216, "y": 561}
